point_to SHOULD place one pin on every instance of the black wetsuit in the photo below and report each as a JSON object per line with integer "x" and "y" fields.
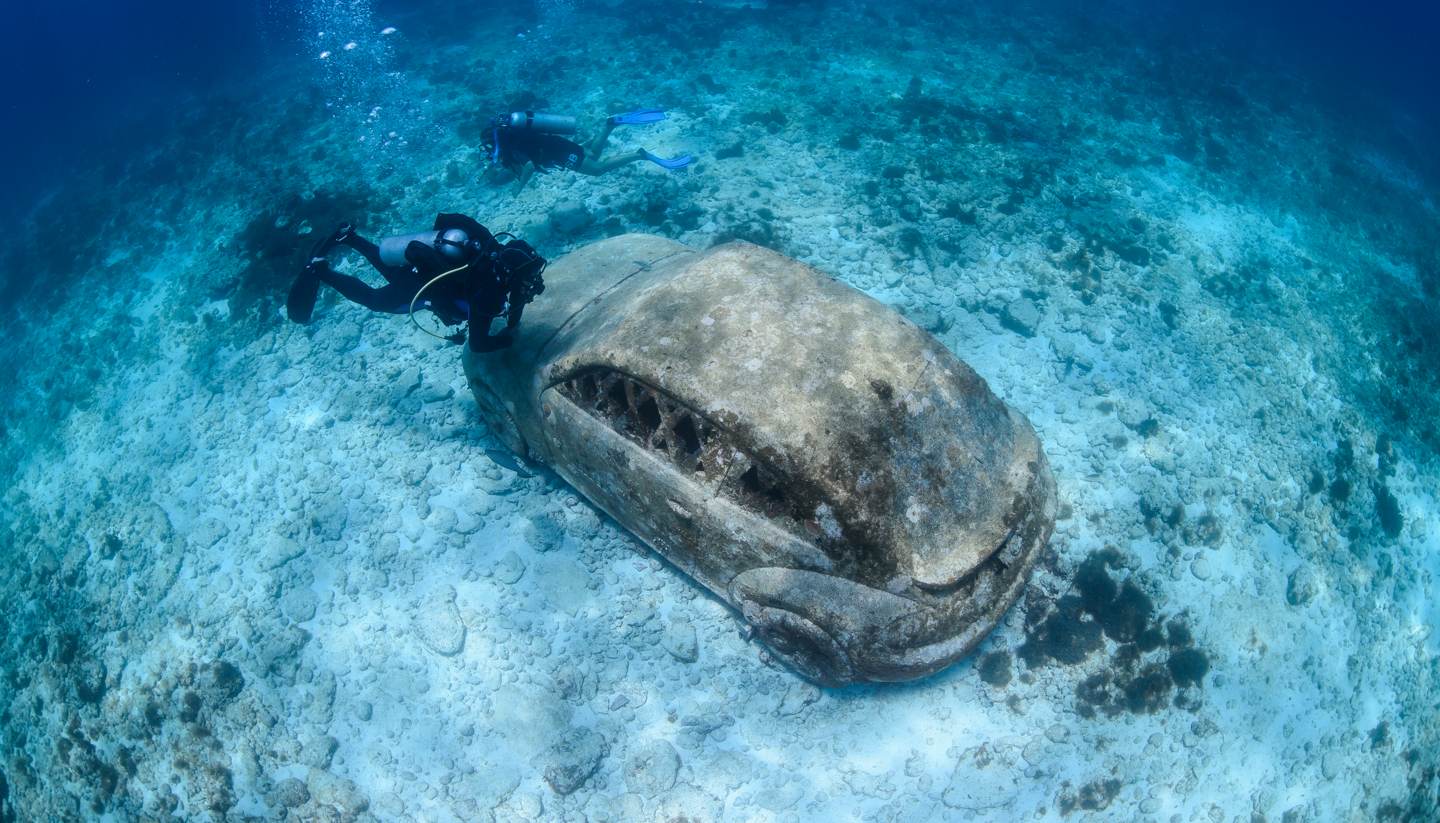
{"x": 477, "y": 293}
{"x": 546, "y": 151}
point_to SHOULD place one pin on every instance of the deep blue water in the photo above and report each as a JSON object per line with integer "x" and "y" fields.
{"x": 76, "y": 74}
{"x": 1361, "y": 51}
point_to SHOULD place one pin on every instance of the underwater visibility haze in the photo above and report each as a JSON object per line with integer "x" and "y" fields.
{"x": 738, "y": 410}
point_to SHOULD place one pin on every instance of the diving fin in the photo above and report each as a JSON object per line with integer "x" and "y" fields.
{"x": 638, "y": 118}
{"x": 300, "y": 305}
{"x": 671, "y": 163}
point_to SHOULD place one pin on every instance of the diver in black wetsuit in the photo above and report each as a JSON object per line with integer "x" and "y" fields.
{"x": 458, "y": 270}
{"x": 526, "y": 142}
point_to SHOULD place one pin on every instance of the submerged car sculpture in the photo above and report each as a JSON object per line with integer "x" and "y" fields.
{"x": 823, "y": 465}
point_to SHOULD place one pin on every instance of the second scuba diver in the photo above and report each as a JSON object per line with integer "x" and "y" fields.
{"x": 526, "y": 142}
{"x": 458, "y": 270}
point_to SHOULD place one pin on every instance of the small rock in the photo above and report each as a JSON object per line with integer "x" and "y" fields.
{"x": 703, "y": 723}
{"x": 319, "y": 751}
{"x": 289, "y": 793}
{"x": 652, "y": 768}
{"x": 493, "y": 783}
{"x": 679, "y": 641}
{"x": 498, "y": 480}
{"x": 437, "y": 623}
{"x": 212, "y": 787}
{"x": 207, "y": 532}
{"x": 1201, "y": 568}
{"x": 328, "y": 518}
{"x": 981, "y": 791}
{"x": 465, "y": 808}
{"x": 278, "y": 653}
{"x": 570, "y": 684}
{"x": 1133, "y": 415}
{"x": 797, "y": 697}
{"x": 1302, "y": 586}
{"x": 407, "y": 379}
{"x": 299, "y": 604}
{"x": 543, "y": 533}
{"x": 928, "y": 318}
{"x": 336, "y": 793}
{"x": 364, "y": 710}
{"x": 571, "y": 761}
{"x": 277, "y": 551}
{"x": 319, "y": 709}
{"x": 1035, "y": 752}
{"x": 509, "y": 568}
{"x": 570, "y": 217}
{"x": 528, "y": 805}
{"x": 1331, "y": 764}
{"x": 390, "y": 806}
{"x": 443, "y": 520}
{"x": 1021, "y": 316}
{"x": 781, "y": 798}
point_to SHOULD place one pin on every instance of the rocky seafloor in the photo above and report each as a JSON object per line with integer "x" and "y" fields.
{"x": 253, "y": 570}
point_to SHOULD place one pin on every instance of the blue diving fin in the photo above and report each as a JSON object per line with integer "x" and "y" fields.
{"x": 671, "y": 163}
{"x": 638, "y": 118}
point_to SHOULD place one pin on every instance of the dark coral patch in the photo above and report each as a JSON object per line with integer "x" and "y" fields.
{"x": 1188, "y": 667}
{"x": 1387, "y": 508}
{"x": 1152, "y": 656}
{"x": 994, "y": 668}
{"x": 1094, "y": 796}
{"x": 1066, "y": 635}
{"x": 1148, "y": 691}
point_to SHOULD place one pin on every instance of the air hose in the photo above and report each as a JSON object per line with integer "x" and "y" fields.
{"x": 436, "y": 279}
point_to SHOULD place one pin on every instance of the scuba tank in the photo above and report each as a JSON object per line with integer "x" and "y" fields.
{"x": 451, "y": 244}
{"x": 539, "y": 121}
{"x": 533, "y": 122}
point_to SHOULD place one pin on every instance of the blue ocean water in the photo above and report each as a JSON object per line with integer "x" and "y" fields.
{"x": 256, "y": 569}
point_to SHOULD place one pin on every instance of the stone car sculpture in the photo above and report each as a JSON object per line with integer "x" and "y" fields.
{"x": 806, "y": 453}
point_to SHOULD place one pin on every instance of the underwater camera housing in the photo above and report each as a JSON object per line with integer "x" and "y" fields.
{"x": 821, "y": 464}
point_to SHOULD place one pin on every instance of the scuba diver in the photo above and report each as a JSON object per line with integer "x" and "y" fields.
{"x": 458, "y": 270}
{"x": 526, "y": 142}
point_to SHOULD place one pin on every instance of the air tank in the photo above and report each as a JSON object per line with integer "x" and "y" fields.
{"x": 450, "y": 244}
{"x": 542, "y": 122}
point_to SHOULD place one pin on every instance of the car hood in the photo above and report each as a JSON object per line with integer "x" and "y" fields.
{"x": 895, "y": 454}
